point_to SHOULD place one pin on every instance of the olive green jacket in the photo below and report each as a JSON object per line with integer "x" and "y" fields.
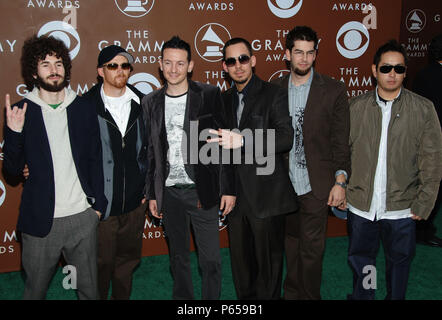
{"x": 414, "y": 152}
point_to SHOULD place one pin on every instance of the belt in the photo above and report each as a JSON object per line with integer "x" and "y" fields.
{"x": 184, "y": 186}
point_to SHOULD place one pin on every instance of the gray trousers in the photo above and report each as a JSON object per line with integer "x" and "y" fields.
{"x": 76, "y": 238}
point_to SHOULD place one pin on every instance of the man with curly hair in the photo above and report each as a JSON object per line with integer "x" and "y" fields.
{"x": 56, "y": 134}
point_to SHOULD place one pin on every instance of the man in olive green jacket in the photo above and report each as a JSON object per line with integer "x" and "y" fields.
{"x": 396, "y": 165}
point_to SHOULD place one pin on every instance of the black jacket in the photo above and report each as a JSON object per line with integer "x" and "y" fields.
{"x": 124, "y": 157}
{"x": 266, "y": 108}
{"x": 204, "y": 105}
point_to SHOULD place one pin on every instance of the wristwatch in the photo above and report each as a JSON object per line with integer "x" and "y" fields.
{"x": 342, "y": 184}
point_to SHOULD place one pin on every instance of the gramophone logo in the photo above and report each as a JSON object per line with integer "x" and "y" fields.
{"x": 278, "y": 74}
{"x": 210, "y": 40}
{"x": 415, "y": 21}
{"x": 135, "y": 9}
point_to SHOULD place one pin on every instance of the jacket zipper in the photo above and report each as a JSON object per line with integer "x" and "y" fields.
{"x": 124, "y": 168}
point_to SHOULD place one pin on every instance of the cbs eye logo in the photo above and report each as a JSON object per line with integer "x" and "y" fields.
{"x": 350, "y": 39}
{"x": 144, "y": 81}
{"x": 284, "y": 8}
{"x": 62, "y": 31}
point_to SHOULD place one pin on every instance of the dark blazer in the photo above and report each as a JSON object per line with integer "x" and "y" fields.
{"x": 266, "y": 107}
{"x": 326, "y": 132}
{"x": 31, "y": 147}
{"x": 204, "y": 105}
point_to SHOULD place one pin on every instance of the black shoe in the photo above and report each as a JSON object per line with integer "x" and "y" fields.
{"x": 432, "y": 242}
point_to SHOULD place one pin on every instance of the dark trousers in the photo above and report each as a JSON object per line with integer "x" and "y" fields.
{"x": 120, "y": 240}
{"x": 180, "y": 214}
{"x": 256, "y": 251}
{"x": 305, "y": 237}
{"x": 73, "y": 236}
{"x": 398, "y": 239}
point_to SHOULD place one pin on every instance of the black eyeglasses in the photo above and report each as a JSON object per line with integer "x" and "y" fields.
{"x": 397, "y": 68}
{"x": 114, "y": 66}
{"x": 243, "y": 59}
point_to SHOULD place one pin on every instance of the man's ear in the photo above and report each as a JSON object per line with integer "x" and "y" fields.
{"x": 288, "y": 55}
{"x": 225, "y": 67}
{"x": 374, "y": 71}
{"x": 190, "y": 67}
{"x": 253, "y": 60}
{"x": 100, "y": 72}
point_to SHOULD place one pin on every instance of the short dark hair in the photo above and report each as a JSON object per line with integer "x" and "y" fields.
{"x": 36, "y": 49}
{"x": 301, "y": 33}
{"x": 390, "y": 46}
{"x": 177, "y": 43}
{"x": 435, "y": 48}
{"x": 236, "y": 41}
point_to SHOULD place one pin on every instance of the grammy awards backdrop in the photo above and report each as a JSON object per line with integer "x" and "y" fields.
{"x": 350, "y": 31}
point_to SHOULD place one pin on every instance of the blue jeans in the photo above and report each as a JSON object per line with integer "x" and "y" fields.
{"x": 399, "y": 240}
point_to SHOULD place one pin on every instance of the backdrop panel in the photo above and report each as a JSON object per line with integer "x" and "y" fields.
{"x": 420, "y": 22}
{"x": 349, "y": 30}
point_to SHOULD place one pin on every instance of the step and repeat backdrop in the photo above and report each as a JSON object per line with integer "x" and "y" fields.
{"x": 421, "y": 21}
{"x": 350, "y": 31}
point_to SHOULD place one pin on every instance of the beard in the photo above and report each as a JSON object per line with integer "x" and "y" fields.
{"x": 52, "y": 87}
{"x": 241, "y": 81}
{"x": 301, "y": 72}
{"x": 119, "y": 81}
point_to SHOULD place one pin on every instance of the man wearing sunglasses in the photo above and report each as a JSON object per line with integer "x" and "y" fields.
{"x": 318, "y": 162}
{"x": 256, "y": 226}
{"x": 396, "y": 156}
{"x": 122, "y": 130}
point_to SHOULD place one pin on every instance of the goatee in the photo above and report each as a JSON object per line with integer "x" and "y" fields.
{"x": 300, "y": 72}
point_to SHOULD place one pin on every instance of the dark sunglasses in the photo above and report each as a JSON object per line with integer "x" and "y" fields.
{"x": 243, "y": 59}
{"x": 397, "y": 68}
{"x": 114, "y": 66}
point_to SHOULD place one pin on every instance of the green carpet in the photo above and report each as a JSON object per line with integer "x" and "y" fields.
{"x": 152, "y": 279}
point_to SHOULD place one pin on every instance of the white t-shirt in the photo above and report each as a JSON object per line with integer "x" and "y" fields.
{"x": 175, "y": 109}
{"x": 119, "y": 107}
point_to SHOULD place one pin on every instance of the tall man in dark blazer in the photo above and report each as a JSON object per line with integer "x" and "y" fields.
{"x": 56, "y": 134}
{"x": 256, "y": 226}
{"x": 182, "y": 190}
{"x": 319, "y": 161}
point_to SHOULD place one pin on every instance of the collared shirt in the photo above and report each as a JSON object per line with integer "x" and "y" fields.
{"x": 378, "y": 207}
{"x": 244, "y": 92}
{"x": 298, "y": 167}
{"x": 119, "y": 107}
{"x": 174, "y": 112}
